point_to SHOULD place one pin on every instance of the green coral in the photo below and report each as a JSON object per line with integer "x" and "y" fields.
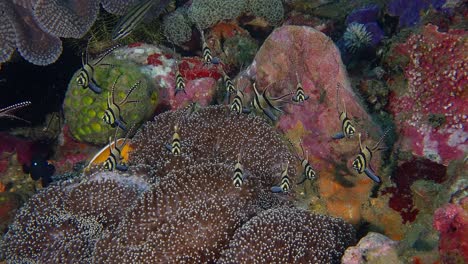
{"x": 240, "y": 50}
{"x": 271, "y": 10}
{"x": 177, "y": 27}
{"x": 84, "y": 109}
{"x": 206, "y": 13}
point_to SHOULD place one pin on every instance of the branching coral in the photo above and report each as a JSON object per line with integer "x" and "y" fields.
{"x": 289, "y": 235}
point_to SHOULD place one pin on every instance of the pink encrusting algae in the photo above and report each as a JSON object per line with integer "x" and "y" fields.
{"x": 432, "y": 112}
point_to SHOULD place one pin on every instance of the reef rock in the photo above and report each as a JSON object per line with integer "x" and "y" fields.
{"x": 297, "y": 53}
{"x": 451, "y": 221}
{"x": 373, "y": 248}
{"x": 431, "y": 111}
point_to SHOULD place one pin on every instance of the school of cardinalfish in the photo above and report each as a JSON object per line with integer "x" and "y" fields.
{"x": 114, "y": 155}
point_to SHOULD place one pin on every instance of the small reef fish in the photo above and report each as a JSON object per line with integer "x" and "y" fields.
{"x": 228, "y": 84}
{"x": 180, "y": 82}
{"x": 265, "y": 104}
{"x": 238, "y": 178}
{"x": 307, "y": 170}
{"x": 285, "y": 184}
{"x": 206, "y": 51}
{"x": 131, "y": 20}
{"x": 362, "y": 162}
{"x": 237, "y": 104}
{"x": 300, "y": 95}
{"x": 114, "y": 160}
{"x": 7, "y": 112}
{"x": 41, "y": 168}
{"x": 112, "y": 115}
{"x": 85, "y": 77}
{"x": 347, "y": 128}
{"x": 175, "y": 146}
{"x": 105, "y": 152}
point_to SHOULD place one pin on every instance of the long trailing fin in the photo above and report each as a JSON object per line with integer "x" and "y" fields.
{"x": 107, "y": 52}
{"x": 124, "y": 101}
{"x": 113, "y": 88}
{"x": 14, "y": 107}
{"x": 380, "y": 140}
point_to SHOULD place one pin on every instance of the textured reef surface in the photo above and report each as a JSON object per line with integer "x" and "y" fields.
{"x": 233, "y": 131}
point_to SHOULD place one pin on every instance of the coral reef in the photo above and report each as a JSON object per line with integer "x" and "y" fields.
{"x": 157, "y": 229}
{"x": 84, "y": 109}
{"x": 288, "y": 235}
{"x": 356, "y": 37}
{"x": 451, "y": 221}
{"x": 35, "y": 27}
{"x": 204, "y": 14}
{"x": 176, "y": 26}
{"x": 62, "y": 223}
{"x": 181, "y": 208}
{"x": 373, "y": 248}
{"x": 262, "y": 149}
{"x": 409, "y": 11}
{"x": 271, "y": 10}
{"x": 9, "y": 145}
{"x": 316, "y": 60}
{"x": 401, "y": 199}
{"x": 436, "y": 75}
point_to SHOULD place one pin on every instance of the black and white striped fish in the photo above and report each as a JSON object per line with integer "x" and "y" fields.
{"x": 263, "y": 103}
{"x": 238, "y": 177}
{"x": 114, "y": 161}
{"x": 112, "y": 115}
{"x": 347, "y": 127}
{"x": 361, "y": 163}
{"x": 175, "y": 146}
{"x": 307, "y": 171}
{"x": 135, "y": 15}
{"x": 285, "y": 184}
{"x": 300, "y": 95}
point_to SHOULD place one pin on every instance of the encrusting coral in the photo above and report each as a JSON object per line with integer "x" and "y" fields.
{"x": 183, "y": 208}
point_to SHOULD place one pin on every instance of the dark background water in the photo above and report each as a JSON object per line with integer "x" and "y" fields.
{"x": 44, "y": 86}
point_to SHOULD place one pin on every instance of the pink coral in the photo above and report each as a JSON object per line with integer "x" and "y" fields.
{"x": 310, "y": 54}
{"x": 200, "y": 80}
{"x": 432, "y": 112}
{"x": 24, "y": 149}
{"x": 452, "y": 223}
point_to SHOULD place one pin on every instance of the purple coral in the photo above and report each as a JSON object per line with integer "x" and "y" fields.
{"x": 369, "y": 33}
{"x": 409, "y": 11}
{"x": 289, "y": 235}
{"x": 34, "y": 27}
